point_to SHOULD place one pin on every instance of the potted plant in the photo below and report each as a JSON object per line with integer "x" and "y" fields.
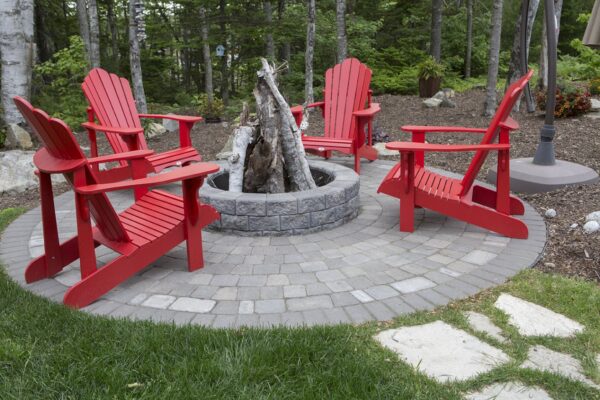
{"x": 211, "y": 111}
{"x": 430, "y": 74}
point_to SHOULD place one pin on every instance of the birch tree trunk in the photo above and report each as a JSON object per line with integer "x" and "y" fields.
{"x": 514, "y": 66}
{"x": 94, "y": 34}
{"x": 135, "y": 61}
{"x": 310, "y": 50}
{"x": 208, "y": 75}
{"x": 342, "y": 39}
{"x": 269, "y": 20}
{"x": 543, "y": 72}
{"x": 490, "y": 100}
{"x": 469, "y": 52}
{"x": 224, "y": 72}
{"x": 84, "y": 27}
{"x": 436, "y": 29}
{"x": 286, "y": 48}
{"x": 16, "y": 52}
{"x": 114, "y": 33}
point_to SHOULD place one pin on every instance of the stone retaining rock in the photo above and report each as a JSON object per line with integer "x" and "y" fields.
{"x": 17, "y": 171}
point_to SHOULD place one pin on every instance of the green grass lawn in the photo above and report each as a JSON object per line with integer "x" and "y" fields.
{"x": 50, "y": 352}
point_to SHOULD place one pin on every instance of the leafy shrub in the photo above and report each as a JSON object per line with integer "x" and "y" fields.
{"x": 570, "y": 100}
{"x": 582, "y": 67}
{"x": 57, "y": 83}
{"x": 209, "y": 110}
{"x": 403, "y": 81}
{"x": 595, "y": 86}
{"x": 429, "y": 68}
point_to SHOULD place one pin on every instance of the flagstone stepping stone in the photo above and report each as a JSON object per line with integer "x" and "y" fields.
{"x": 509, "y": 391}
{"x": 543, "y": 359}
{"x": 534, "y": 320}
{"x": 441, "y": 351}
{"x": 482, "y": 323}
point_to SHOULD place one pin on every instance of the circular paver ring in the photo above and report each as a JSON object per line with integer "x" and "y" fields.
{"x": 362, "y": 271}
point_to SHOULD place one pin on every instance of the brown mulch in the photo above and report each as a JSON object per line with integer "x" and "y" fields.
{"x": 569, "y": 251}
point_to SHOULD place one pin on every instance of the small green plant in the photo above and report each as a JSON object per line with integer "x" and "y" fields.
{"x": 211, "y": 111}
{"x": 570, "y": 100}
{"x": 595, "y": 86}
{"x": 430, "y": 69}
{"x": 57, "y": 83}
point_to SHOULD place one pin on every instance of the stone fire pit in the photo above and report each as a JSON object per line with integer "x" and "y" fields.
{"x": 333, "y": 203}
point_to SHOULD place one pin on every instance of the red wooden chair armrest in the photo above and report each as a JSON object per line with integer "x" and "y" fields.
{"x": 180, "y": 174}
{"x": 440, "y": 129}
{"x": 410, "y": 146}
{"x": 299, "y": 108}
{"x": 368, "y": 112}
{"x": 128, "y": 155}
{"x": 510, "y": 124}
{"x": 51, "y": 165}
{"x": 121, "y": 131}
{"x": 180, "y": 118}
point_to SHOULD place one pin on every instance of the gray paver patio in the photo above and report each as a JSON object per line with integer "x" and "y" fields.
{"x": 364, "y": 270}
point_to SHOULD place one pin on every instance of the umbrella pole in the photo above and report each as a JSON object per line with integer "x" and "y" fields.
{"x": 544, "y": 154}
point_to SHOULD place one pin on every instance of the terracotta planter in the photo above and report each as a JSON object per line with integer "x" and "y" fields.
{"x": 429, "y": 87}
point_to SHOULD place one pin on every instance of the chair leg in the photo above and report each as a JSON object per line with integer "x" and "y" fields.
{"x": 407, "y": 195}
{"x": 487, "y": 197}
{"x": 357, "y": 163}
{"x": 39, "y": 268}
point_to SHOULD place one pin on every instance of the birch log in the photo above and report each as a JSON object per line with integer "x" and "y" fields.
{"x": 296, "y": 165}
{"x": 242, "y": 137}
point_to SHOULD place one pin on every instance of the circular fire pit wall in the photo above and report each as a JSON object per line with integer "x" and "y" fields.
{"x": 333, "y": 203}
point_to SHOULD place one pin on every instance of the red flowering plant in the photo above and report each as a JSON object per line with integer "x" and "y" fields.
{"x": 570, "y": 100}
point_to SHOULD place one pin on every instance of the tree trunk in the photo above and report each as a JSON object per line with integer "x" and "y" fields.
{"x": 94, "y": 34}
{"x": 114, "y": 33}
{"x": 285, "y": 49}
{"x": 543, "y": 72}
{"x": 208, "y": 78}
{"x": 16, "y": 52}
{"x": 269, "y": 22}
{"x": 224, "y": 71}
{"x": 514, "y": 66}
{"x": 242, "y": 137}
{"x": 436, "y": 29}
{"x": 135, "y": 61}
{"x": 342, "y": 39}
{"x": 492, "y": 80}
{"x": 469, "y": 52}
{"x": 310, "y": 50}
{"x": 84, "y": 28}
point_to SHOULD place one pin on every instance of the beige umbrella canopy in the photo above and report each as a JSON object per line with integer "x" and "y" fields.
{"x": 592, "y": 33}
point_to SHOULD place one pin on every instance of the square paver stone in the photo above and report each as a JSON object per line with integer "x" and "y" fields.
{"x": 161, "y": 301}
{"x": 413, "y": 285}
{"x": 441, "y": 351}
{"x": 191, "y": 304}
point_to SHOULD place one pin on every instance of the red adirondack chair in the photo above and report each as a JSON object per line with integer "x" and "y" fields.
{"x": 154, "y": 224}
{"x": 343, "y": 108}
{"x": 111, "y": 102}
{"x": 417, "y": 186}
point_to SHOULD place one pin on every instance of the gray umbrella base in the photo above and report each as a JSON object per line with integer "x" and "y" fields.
{"x": 526, "y": 177}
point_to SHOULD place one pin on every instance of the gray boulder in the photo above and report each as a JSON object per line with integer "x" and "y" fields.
{"x": 17, "y": 171}
{"x": 445, "y": 97}
{"x": 170, "y": 125}
{"x": 432, "y": 103}
{"x": 155, "y": 130}
{"x": 17, "y": 138}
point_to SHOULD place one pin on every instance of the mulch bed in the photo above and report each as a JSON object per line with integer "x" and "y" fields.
{"x": 569, "y": 251}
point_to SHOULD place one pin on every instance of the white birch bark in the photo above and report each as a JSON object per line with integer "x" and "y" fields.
{"x": 490, "y": 99}
{"x": 543, "y": 72}
{"x": 94, "y": 34}
{"x": 135, "y": 61}
{"x": 242, "y": 137}
{"x": 342, "y": 39}
{"x": 269, "y": 20}
{"x": 84, "y": 27}
{"x": 208, "y": 75}
{"x": 310, "y": 50}
{"x": 16, "y": 52}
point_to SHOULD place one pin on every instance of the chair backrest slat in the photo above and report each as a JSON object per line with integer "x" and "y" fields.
{"x": 346, "y": 88}
{"x": 61, "y": 144}
{"x": 502, "y": 113}
{"x": 113, "y": 104}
